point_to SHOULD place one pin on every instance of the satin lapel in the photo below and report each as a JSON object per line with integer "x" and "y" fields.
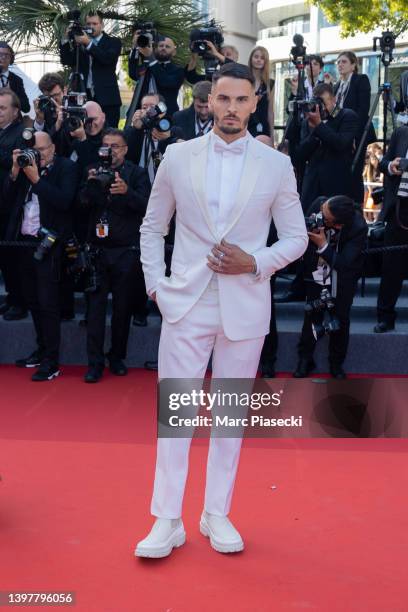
{"x": 198, "y": 172}
{"x": 250, "y": 174}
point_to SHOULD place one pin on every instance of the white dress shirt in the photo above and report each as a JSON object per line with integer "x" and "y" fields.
{"x": 224, "y": 170}
{"x": 31, "y": 216}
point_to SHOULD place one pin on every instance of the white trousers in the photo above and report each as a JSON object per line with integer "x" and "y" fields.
{"x": 184, "y": 351}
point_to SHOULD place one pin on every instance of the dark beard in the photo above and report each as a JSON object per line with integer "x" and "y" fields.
{"x": 229, "y": 130}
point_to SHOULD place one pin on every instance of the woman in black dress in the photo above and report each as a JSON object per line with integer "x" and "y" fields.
{"x": 353, "y": 91}
{"x": 262, "y": 120}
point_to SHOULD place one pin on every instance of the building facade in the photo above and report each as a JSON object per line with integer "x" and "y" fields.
{"x": 281, "y": 19}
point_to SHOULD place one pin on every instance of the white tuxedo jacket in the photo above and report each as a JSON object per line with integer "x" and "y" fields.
{"x": 267, "y": 190}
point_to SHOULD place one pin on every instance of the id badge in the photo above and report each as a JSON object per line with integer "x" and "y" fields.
{"x": 102, "y": 230}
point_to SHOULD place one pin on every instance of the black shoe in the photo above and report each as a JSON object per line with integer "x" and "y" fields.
{"x": 289, "y": 296}
{"x": 267, "y": 370}
{"x": 4, "y": 308}
{"x": 151, "y": 365}
{"x": 47, "y": 371}
{"x": 32, "y": 361}
{"x": 383, "y": 327}
{"x": 117, "y": 367}
{"x": 304, "y": 367}
{"x": 94, "y": 374}
{"x": 15, "y": 313}
{"x": 337, "y": 372}
{"x": 140, "y": 321}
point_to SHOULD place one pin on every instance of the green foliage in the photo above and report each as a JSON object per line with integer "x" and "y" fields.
{"x": 364, "y": 16}
{"x": 41, "y": 23}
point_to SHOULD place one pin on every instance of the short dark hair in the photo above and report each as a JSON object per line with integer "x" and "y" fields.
{"x": 201, "y": 91}
{"x": 235, "y": 71}
{"x": 15, "y": 100}
{"x": 110, "y": 131}
{"x": 5, "y": 45}
{"x": 95, "y": 14}
{"x": 149, "y": 95}
{"x": 316, "y": 58}
{"x": 322, "y": 88}
{"x": 49, "y": 80}
{"x": 342, "y": 208}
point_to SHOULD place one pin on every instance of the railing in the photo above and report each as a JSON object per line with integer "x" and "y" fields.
{"x": 285, "y": 30}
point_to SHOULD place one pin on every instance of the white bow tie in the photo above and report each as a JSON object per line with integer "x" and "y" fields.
{"x": 235, "y": 149}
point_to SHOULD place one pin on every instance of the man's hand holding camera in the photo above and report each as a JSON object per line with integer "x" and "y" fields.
{"x": 318, "y": 237}
{"x": 30, "y": 171}
{"x": 313, "y": 118}
{"x": 147, "y": 52}
{"x": 79, "y": 133}
{"x": 119, "y": 187}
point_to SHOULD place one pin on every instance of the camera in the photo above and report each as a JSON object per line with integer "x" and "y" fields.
{"x": 298, "y": 51}
{"x": 310, "y": 106}
{"x": 45, "y": 104}
{"x": 314, "y": 222}
{"x": 403, "y": 164}
{"x": 82, "y": 262}
{"x": 29, "y": 156}
{"x": 153, "y": 120}
{"x": 48, "y": 241}
{"x": 324, "y": 304}
{"x": 386, "y": 40}
{"x": 75, "y": 28}
{"x": 99, "y": 184}
{"x": 74, "y": 111}
{"x": 148, "y": 35}
{"x": 199, "y": 37}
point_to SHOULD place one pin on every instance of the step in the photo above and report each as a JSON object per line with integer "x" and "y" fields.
{"x": 368, "y": 352}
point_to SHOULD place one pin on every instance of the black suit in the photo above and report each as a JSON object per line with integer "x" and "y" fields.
{"x": 120, "y": 269}
{"x": 358, "y": 99}
{"x": 169, "y": 77}
{"x": 394, "y": 266}
{"x": 105, "y": 57}
{"x": 136, "y": 137}
{"x": 186, "y": 120}
{"x": 402, "y": 105}
{"x": 347, "y": 260}
{"x": 16, "y": 83}
{"x": 10, "y": 139}
{"x": 327, "y": 152}
{"x": 41, "y": 279}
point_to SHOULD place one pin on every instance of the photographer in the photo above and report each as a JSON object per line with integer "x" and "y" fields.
{"x": 39, "y": 193}
{"x": 325, "y": 144}
{"x": 48, "y": 113}
{"x": 163, "y": 76}
{"x": 98, "y": 58}
{"x": 333, "y": 261}
{"x": 196, "y": 120}
{"x": 9, "y": 79}
{"x": 394, "y": 165}
{"x": 11, "y": 129}
{"x": 147, "y": 141}
{"x": 211, "y": 53}
{"x": 116, "y": 194}
{"x": 314, "y": 67}
{"x": 402, "y": 105}
{"x": 88, "y": 136}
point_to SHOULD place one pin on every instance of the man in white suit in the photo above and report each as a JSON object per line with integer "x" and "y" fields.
{"x": 226, "y": 187}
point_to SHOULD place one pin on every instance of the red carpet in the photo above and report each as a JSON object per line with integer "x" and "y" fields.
{"x": 77, "y": 464}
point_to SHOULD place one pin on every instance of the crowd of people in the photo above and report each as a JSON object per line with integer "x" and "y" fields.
{"x": 76, "y": 188}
